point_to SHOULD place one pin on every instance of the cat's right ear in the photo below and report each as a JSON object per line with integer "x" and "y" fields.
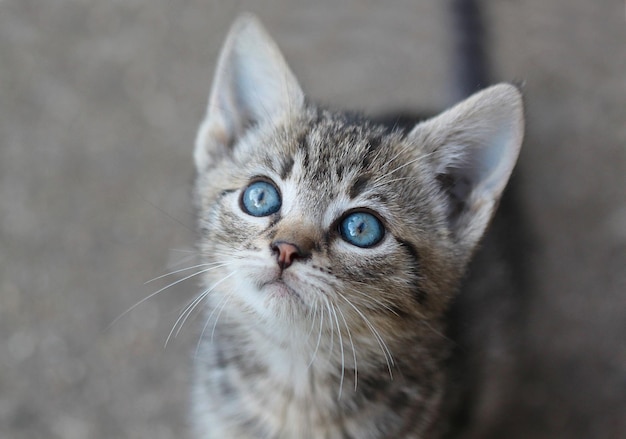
{"x": 252, "y": 85}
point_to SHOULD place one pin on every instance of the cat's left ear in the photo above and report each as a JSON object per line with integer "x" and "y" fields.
{"x": 252, "y": 85}
{"x": 473, "y": 148}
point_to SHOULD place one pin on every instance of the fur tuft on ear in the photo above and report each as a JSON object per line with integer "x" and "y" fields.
{"x": 473, "y": 147}
{"x": 252, "y": 85}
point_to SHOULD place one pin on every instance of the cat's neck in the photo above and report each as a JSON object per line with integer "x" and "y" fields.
{"x": 297, "y": 364}
{"x": 296, "y": 387}
{"x": 294, "y": 354}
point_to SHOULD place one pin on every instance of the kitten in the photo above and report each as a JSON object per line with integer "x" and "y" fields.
{"x": 334, "y": 246}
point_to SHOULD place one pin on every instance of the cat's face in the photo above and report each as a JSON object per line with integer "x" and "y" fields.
{"x": 320, "y": 210}
{"x": 305, "y": 212}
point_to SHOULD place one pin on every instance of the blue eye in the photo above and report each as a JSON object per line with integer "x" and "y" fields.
{"x": 362, "y": 229}
{"x": 261, "y": 198}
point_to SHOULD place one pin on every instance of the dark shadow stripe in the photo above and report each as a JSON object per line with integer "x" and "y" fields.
{"x": 410, "y": 249}
{"x": 419, "y": 295}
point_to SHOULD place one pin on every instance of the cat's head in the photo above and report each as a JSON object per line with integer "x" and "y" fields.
{"x": 300, "y": 207}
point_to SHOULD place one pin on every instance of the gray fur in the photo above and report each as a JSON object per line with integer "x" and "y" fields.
{"x": 347, "y": 342}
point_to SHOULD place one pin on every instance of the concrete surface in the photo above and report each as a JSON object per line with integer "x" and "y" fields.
{"x": 99, "y": 101}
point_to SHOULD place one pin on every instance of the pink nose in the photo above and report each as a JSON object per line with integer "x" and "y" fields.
{"x": 286, "y": 253}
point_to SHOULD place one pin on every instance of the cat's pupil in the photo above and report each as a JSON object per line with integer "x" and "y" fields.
{"x": 259, "y": 196}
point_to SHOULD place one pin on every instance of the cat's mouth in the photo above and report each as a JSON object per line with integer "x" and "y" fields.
{"x": 278, "y": 288}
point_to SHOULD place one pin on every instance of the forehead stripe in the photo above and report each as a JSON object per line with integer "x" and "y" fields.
{"x": 358, "y": 185}
{"x": 286, "y": 167}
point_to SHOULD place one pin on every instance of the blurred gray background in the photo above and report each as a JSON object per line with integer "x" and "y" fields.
{"x": 99, "y": 102}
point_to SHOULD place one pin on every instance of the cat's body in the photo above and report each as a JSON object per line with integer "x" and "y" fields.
{"x": 334, "y": 247}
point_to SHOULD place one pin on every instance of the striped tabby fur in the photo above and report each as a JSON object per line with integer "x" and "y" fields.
{"x": 345, "y": 341}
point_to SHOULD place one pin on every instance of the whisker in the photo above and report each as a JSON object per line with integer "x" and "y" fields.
{"x": 182, "y": 260}
{"x": 424, "y": 322}
{"x": 164, "y": 212}
{"x": 377, "y": 336}
{"x": 343, "y": 362}
{"x": 187, "y": 312}
{"x": 206, "y": 323}
{"x": 156, "y": 293}
{"x": 308, "y": 337}
{"x": 352, "y": 344}
{"x": 227, "y": 299}
{"x": 332, "y": 328}
{"x": 399, "y": 179}
{"x": 183, "y": 315}
{"x": 319, "y": 337}
{"x": 208, "y": 320}
{"x": 372, "y": 299}
{"x": 396, "y": 169}
{"x": 221, "y": 264}
{"x": 388, "y": 162}
{"x": 423, "y": 318}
